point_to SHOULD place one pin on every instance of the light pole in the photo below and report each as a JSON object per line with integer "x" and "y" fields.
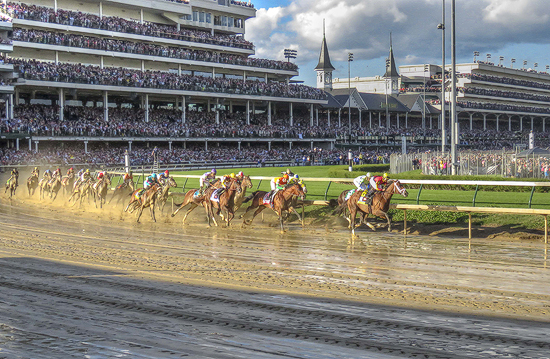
{"x": 443, "y": 120}
{"x": 290, "y": 54}
{"x": 535, "y": 65}
{"x": 524, "y": 64}
{"x": 426, "y": 68}
{"x": 488, "y": 57}
{"x": 454, "y": 134}
{"x": 350, "y": 59}
{"x": 386, "y": 82}
{"x": 500, "y": 59}
{"x": 513, "y": 61}
{"x": 476, "y": 54}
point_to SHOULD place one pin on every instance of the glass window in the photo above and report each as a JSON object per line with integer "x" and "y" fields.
{"x": 208, "y": 17}
{"x": 201, "y": 16}
{"x": 195, "y": 16}
{"x": 224, "y": 20}
{"x": 217, "y": 20}
{"x": 230, "y": 21}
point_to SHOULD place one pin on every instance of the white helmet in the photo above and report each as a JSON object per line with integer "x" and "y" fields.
{"x": 368, "y": 174}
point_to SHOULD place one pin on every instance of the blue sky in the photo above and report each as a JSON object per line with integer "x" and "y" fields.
{"x": 510, "y": 28}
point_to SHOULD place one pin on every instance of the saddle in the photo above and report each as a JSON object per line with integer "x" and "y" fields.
{"x": 364, "y": 198}
{"x": 267, "y": 200}
{"x": 350, "y": 193}
{"x": 216, "y": 195}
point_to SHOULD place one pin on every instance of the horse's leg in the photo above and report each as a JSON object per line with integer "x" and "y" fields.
{"x": 193, "y": 206}
{"x": 132, "y": 200}
{"x": 258, "y": 210}
{"x": 140, "y": 212}
{"x": 115, "y": 193}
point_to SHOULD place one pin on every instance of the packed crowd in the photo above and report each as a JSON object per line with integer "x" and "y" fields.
{"x": 104, "y": 154}
{"x": 142, "y": 48}
{"x": 242, "y": 3}
{"x": 112, "y": 23}
{"x": 502, "y": 107}
{"x": 501, "y": 93}
{"x": 505, "y": 80}
{"x": 95, "y": 75}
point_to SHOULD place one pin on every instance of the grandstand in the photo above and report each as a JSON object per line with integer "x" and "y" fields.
{"x": 145, "y": 71}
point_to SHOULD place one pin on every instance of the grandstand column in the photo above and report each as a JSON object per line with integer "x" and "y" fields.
{"x": 291, "y": 115}
{"x": 17, "y": 144}
{"x": 141, "y": 16}
{"x": 248, "y": 112}
{"x": 311, "y": 115}
{"x": 379, "y": 119}
{"x": 55, "y": 5}
{"x": 183, "y": 109}
{"x": 36, "y": 146}
{"x": 179, "y": 68}
{"x": 521, "y": 123}
{"x": 230, "y": 106}
{"x": 217, "y": 117}
{"x": 142, "y": 65}
{"x": 289, "y": 145}
{"x": 406, "y": 120}
{"x": 106, "y": 106}
{"x": 484, "y": 122}
{"x": 206, "y": 145}
{"x": 509, "y": 122}
{"x": 244, "y": 75}
{"x": 11, "y": 106}
{"x": 129, "y": 146}
{"x": 269, "y": 145}
{"x": 471, "y": 121}
{"x": 100, "y": 10}
{"x": 85, "y": 146}
{"x": 178, "y": 26}
{"x": 239, "y": 146}
{"x": 57, "y": 58}
{"x": 17, "y": 96}
{"x": 214, "y": 73}
{"x": 531, "y": 123}
{"x": 360, "y": 119}
{"x": 543, "y": 124}
{"x": 431, "y": 123}
{"x": 269, "y": 113}
{"x": 328, "y": 117}
{"x": 397, "y": 115}
{"x": 30, "y": 144}
{"x": 339, "y": 117}
{"x": 498, "y": 116}
{"x": 146, "y": 107}
{"x": 317, "y": 117}
{"x": 101, "y": 62}
{"x": 169, "y": 145}
{"x": 61, "y": 103}
{"x": 208, "y": 106}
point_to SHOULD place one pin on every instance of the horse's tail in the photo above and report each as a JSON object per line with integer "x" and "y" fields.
{"x": 250, "y": 196}
{"x": 340, "y": 209}
{"x": 333, "y": 203}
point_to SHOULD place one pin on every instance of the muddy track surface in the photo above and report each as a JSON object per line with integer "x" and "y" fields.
{"x": 90, "y": 283}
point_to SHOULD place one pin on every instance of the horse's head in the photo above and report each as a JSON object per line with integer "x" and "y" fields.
{"x": 398, "y": 188}
{"x": 246, "y": 182}
{"x": 172, "y": 182}
{"x": 298, "y": 189}
{"x": 131, "y": 184}
{"x": 236, "y": 186}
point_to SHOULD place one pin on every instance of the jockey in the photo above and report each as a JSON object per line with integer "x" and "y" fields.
{"x": 127, "y": 177}
{"x": 100, "y": 175}
{"x": 288, "y": 172}
{"x": 226, "y": 180}
{"x": 151, "y": 180}
{"x": 70, "y": 171}
{"x": 57, "y": 173}
{"x": 35, "y": 172}
{"x": 377, "y": 184}
{"x": 86, "y": 175}
{"x": 240, "y": 175}
{"x": 294, "y": 179}
{"x": 164, "y": 176}
{"x": 207, "y": 179}
{"x": 278, "y": 183}
{"x": 14, "y": 176}
{"x": 47, "y": 174}
{"x": 362, "y": 182}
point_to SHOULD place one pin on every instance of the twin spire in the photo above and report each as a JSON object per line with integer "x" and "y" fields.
{"x": 324, "y": 58}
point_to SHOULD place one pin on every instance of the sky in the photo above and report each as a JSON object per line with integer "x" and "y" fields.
{"x": 510, "y": 28}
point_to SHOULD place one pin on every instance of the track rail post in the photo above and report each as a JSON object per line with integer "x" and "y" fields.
{"x": 531, "y": 197}
{"x": 418, "y": 196}
{"x": 475, "y": 195}
{"x": 326, "y": 192}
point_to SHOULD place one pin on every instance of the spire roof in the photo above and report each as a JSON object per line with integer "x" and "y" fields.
{"x": 324, "y": 58}
{"x": 391, "y": 69}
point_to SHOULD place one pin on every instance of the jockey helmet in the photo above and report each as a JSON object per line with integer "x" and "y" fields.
{"x": 88, "y": 170}
{"x": 232, "y": 175}
{"x": 386, "y": 176}
{"x": 240, "y": 174}
{"x": 154, "y": 175}
{"x": 296, "y": 177}
{"x": 369, "y": 174}
{"x": 35, "y": 168}
{"x": 58, "y": 169}
{"x": 285, "y": 176}
{"x": 166, "y": 172}
{"x": 213, "y": 171}
{"x": 288, "y": 170}
{"x": 71, "y": 169}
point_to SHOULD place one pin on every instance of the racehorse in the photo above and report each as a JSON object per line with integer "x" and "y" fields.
{"x": 163, "y": 195}
{"x": 122, "y": 191}
{"x": 32, "y": 184}
{"x": 101, "y": 189}
{"x": 55, "y": 186}
{"x": 147, "y": 199}
{"x": 44, "y": 185}
{"x": 379, "y": 207}
{"x": 282, "y": 201}
{"x": 67, "y": 182}
{"x": 195, "y": 201}
{"x": 12, "y": 184}
{"x": 226, "y": 202}
{"x": 239, "y": 197}
{"x": 80, "y": 191}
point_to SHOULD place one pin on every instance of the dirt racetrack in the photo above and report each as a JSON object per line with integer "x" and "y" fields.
{"x": 93, "y": 283}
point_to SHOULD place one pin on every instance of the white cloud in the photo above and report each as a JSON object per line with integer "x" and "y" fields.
{"x": 511, "y": 13}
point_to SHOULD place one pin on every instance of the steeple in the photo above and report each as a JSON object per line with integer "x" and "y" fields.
{"x": 391, "y": 69}
{"x": 391, "y": 73}
{"x": 324, "y": 68}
